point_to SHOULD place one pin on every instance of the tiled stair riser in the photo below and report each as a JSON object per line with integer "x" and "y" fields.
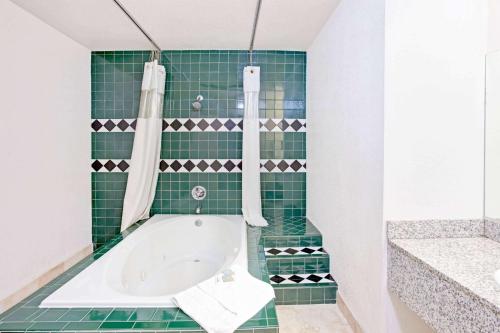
{"x": 308, "y": 279}
{"x": 292, "y": 241}
{"x": 294, "y": 252}
{"x": 306, "y": 295}
{"x": 299, "y": 265}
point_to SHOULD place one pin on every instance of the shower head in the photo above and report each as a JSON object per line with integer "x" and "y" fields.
{"x": 197, "y": 103}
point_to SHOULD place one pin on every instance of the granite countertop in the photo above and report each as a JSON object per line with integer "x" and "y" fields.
{"x": 469, "y": 263}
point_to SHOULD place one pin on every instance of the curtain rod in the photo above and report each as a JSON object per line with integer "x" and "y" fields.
{"x": 254, "y": 30}
{"x": 126, "y": 12}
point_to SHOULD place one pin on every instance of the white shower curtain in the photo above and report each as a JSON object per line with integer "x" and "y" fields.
{"x": 251, "y": 205}
{"x": 144, "y": 164}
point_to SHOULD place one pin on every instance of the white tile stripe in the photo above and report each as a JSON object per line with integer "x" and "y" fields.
{"x": 209, "y": 168}
{"x": 222, "y": 128}
{"x": 282, "y": 249}
{"x": 304, "y": 276}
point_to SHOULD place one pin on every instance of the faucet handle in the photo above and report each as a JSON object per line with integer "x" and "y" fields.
{"x": 198, "y": 192}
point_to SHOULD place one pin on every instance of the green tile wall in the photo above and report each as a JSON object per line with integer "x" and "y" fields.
{"x": 217, "y": 75}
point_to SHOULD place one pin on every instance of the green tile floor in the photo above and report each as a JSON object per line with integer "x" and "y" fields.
{"x": 28, "y": 317}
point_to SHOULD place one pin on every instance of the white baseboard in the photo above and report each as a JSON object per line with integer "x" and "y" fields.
{"x": 356, "y": 328}
{"x": 43, "y": 279}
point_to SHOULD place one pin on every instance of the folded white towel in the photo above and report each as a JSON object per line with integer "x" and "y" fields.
{"x": 223, "y": 303}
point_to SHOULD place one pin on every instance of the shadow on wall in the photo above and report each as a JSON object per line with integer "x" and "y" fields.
{"x": 407, "y": 320}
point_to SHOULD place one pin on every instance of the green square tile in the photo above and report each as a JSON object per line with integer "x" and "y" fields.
{"x": 260, "y": 314}
{"x": 330, "y": 293}
{"x": 150, "y": 325}
{"x": 265, "y": 330}
{"x": 165, "y": 314}
{"x": 304, "y": 295}
{"x": 51, "y": 315}
{"x": 272, "y": 322}
{"x": 120, "y": 315}
{"x": 97, "y": 314}
{"x": 74, "y": 315}
{"x": 13, "y": 326}
{"x": 290, "y": 296}
{"x": 181, "y": 315}
{"x": 35, "y": 300}
{"x": 142, "y": 314}
{"x": 82, "y": 326}
{"x": 47, "y": 326}
{"x": 24, "y": 314}
{"x": 183, "y": 325}
{"x": 317, "y": 294}
{"x": 255, "y": 323}
{"x": 116, "y": 325}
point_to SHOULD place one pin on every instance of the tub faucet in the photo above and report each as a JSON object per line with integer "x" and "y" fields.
{"x": 198, "y": 193}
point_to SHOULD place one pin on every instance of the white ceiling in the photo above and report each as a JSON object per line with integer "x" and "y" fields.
{"x": 185, "y": 24}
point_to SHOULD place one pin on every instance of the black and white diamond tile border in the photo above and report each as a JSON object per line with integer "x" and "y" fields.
{"x": 201, "y": 125}
{"x": 294, "y": 279}
{"x": 113, "y": 125}
{"x": 283, "y": 165}
{"x": 202, "y": 165}
{"x": 110, "y": 165}
{"x": 293, "y": 251}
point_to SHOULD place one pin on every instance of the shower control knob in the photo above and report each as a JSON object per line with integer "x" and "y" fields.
{"x": 198, "y": 192}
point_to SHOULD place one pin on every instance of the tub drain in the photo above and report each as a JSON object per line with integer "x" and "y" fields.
{"x": 196, "y": 260}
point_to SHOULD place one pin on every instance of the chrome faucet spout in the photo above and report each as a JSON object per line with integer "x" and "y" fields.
{"x": 198, "y": 193}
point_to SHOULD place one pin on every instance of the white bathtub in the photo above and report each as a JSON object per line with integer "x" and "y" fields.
{"x": 167, "y": 254}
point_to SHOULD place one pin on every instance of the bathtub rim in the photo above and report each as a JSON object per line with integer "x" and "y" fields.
{"x": 112, "y": 275}
{"x": 124, "y": 300}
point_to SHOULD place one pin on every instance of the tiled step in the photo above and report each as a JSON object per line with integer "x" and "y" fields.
{"x": 297, "y": 263}
{"x": 300, "y": 279}
{"x": 291, "y": 232}
{"x": 278, "y": 265}
{"x": 294, "y": 251}
{"x": 306, "y": 294}
{"x": 293, "y": 241}
{"x": 304, "y": 289}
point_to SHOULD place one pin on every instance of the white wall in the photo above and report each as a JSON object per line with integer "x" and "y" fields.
{"x": 345, "y": 92}
{"x": 433, "y": 158}
{"x": 422, "y": 152}
{"x": 44, "y": 174}
{"x": 434, "y": 109}
{"x": 493, "y": 25}
{"x": 492, "y": 137}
